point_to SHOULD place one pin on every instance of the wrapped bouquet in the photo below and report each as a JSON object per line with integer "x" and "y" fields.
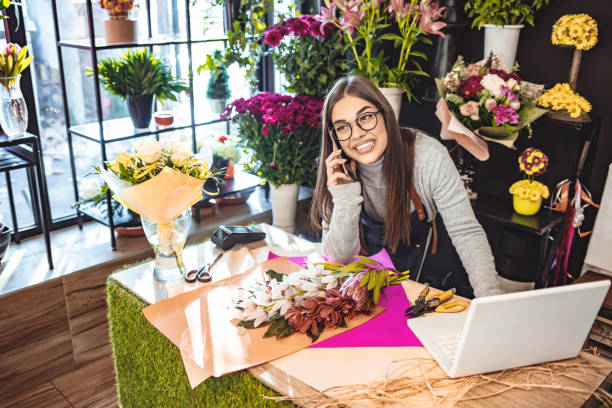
{"x": 481, "y": 101}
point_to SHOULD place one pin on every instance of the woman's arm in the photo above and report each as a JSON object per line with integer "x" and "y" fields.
{"x": 341, "y": 237}
{"x": 466, "y": 233}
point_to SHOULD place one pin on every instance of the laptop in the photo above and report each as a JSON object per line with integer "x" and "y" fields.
{"x": 512, "y": 330}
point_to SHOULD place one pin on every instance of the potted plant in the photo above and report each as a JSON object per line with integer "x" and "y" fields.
{"x": 119, "y": 28}
{"x": 527, "y": 194}
{"x": 283, "y": 133}
{"x": 381, "y": 34}
{"x": 139, "y": 77}
{"x": 297, "y": 46}
{"x": 218, "y": 89}
{"x": 14, "y": 112}
{"x": 226, "y": 155}
{"x": 502, "y": 21}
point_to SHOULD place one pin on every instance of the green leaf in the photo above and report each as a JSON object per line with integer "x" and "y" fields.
{"x": 275, "y": 275}
{"x": 247, "y": 324}
{"x": 278, "y": 328}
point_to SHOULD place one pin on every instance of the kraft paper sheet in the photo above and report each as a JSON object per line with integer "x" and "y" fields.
{"x": 159, "y": 199}
{"x": 201, "y": 324}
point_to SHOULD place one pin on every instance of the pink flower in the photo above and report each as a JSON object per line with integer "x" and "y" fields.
{"x": 471, "y": 87}
{"x": 470, "y": 110}
{"x": 272, "y": 165}
{"x": 265, "y": 130}
{"x": 352, "y": 288}
{"x": 490, "y": 104}
{"x": 472, "y": 69}
{"x": 328, "y": 15}
{"x": 430, "y": 13}
{"x": 505, "y": 114}
{"x": 273, "y": 37}
{"x": 401, "y": 9}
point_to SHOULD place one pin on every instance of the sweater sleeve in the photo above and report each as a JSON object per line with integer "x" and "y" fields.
{"x": 466, "y": 233}
{"x": 341, "y": 237}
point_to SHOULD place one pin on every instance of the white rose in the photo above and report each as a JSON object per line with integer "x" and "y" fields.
{"x": 516, "y": 105}
{"x": 149, "y": 151}
{"x": 512, "y": 84}
{"x": 88, "y": 188}
{"x": 492, "y": 83}
{"x": 180, "y": 156}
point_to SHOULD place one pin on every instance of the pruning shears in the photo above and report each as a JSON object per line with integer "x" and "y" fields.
{"x": 436, "y": 302}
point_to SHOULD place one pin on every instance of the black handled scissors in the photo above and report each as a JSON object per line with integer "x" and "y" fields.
{"x": 202, "y": 274}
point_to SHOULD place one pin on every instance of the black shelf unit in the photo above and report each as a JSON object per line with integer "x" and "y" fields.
{"x": 100, "y": 131}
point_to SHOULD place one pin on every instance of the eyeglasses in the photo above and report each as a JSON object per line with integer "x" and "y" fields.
{"x": 366, "y": 121}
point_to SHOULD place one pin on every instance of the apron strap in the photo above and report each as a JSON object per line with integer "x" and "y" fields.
{"x": 421, "y": 214}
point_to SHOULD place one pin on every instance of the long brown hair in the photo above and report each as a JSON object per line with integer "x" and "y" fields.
{"x": 397, "y": 164}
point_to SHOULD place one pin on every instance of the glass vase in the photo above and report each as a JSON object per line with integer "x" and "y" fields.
{"x": 168, "y": 240}
{"x": 13, "y": 112}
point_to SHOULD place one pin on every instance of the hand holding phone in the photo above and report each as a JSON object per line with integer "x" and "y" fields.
{"x": 340, "y": 169}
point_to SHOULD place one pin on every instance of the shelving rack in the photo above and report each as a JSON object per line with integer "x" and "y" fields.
{"x": 108, "y": 131}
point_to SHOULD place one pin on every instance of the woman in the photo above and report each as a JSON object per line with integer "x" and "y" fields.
{"x": 382, "y": 186}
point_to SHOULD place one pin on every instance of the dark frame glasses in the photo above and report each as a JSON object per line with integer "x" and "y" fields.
{"x": 370, "y": 123}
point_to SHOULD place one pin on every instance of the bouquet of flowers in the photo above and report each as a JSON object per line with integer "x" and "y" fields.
{"x": 226, "y": 150}
{"x": 283, "y": 132}
{"x": 297, "y": 46}
{"x": 13, "y": 60}
{"x": 528, "y": 193}
{"x": 159, "y": 182}
{"x": 372, "y": 28}
{"x": 319, "y": 296}
{"x": 483, "y": 99}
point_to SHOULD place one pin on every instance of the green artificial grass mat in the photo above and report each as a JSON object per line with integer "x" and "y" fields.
{"x": 149, "y": 368}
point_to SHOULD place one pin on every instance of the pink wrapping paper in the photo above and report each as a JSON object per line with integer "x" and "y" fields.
{"x": 388, "y": 329}
{"x": 453, "y": 129}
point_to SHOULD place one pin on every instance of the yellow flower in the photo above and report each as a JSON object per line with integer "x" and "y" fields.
{"x": 575, "y": 30}
{"x": 125, "y": 159}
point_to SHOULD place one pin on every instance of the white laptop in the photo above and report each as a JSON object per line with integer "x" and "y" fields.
{"x": 512, "y": 330}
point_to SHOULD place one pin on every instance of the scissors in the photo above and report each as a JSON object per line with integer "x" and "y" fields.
{"x": 202, "y": 274}
{"x": 435, "y": 303}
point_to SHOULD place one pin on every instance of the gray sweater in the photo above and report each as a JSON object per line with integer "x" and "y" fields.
{"x": 439, "y": 187}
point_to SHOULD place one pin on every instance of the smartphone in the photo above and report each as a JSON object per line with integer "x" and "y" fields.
{"x": 345, "y": 166}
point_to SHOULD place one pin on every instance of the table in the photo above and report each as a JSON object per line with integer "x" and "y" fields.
{"x": 24, "y": 152}
{"x": 150, "y": 371}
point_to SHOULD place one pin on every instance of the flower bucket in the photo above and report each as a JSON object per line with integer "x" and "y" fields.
{"x": 120, "y": 31}
{"x": 394, "y": 96}
{"x": 502, "y": 40}
{"x": 284, "y": 205}
{"x": 525, "y": 206}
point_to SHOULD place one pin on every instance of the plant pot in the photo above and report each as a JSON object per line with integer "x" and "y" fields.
{"x": 284, "y": 205}
{"x": 525, "y": 206}
{"x": 394, "y": 96}
{"x": 217, "y": 105}
{"x": 5, "y": 240}
{"x": 141, "y": 110}
{"x": 502, "y": 40}
{"x": 120, "y": 31}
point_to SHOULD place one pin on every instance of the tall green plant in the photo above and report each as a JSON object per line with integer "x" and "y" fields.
{"x": 503, "y": 12}
{"x": 139, "y": 73}
{"x": 218, "y": 87}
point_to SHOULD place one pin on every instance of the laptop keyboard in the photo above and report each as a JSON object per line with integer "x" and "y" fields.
{"x": 448, "y": 343}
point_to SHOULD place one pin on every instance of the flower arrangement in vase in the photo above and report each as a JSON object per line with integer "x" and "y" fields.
{"x": 160, "y": 181}
{"x": 283, "y": 134}
{"x": 527, "y": 194}
{"x": 119, "y": 28}
{"x": 13, "y": 110}
{"x": 225, "y": 155}
{"x": 297, "y": 46}
{"x": 503, "y": 21}
{"x": 578, "y": 31}
{"x": 139, "y": 77}
{"x": 372, "y": 28}
{"x": 481, "y": 101}
{"x": 319, "y": 296}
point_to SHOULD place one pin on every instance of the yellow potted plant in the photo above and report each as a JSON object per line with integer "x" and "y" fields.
{"x": 528, "y": 193}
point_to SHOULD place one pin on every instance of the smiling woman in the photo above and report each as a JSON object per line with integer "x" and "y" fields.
{"x": 380, "y": 186}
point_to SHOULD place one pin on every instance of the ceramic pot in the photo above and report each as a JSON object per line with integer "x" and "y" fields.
{"x": 140, "y": 108}
{"x": 394, "y": 96}
{"x": 502, "y": 40}
{"x": 284, "y": 205}
{"x": 525, "y": 206}
{"x": 217, "y": 105}
{"x": 120, "y": 31}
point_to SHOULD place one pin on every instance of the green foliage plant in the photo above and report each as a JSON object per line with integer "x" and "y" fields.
{"x": 139, "y": 73}
{"x": 503, "y": 12}
{"x": 218, "y": 87}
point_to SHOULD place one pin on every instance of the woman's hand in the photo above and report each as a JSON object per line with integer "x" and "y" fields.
{"x": 335, "y": 173}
